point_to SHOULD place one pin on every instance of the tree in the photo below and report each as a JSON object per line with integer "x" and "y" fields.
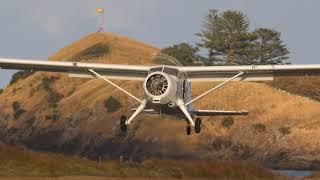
{"x": 20, "y": 75}
{"x": 185, "y": 53}
{"x": 269, "y": 48}
{"x": 226, "y": 36}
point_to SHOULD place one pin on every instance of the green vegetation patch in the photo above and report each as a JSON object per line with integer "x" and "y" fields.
{"x": 54, "y": 96}
{"x": 227, "y": 122}
{"x": 95, "y": 51}
{"x": 219, "y": 144}
{"x": 285, "y": 130}
{"x": 20, "y": 75}
{"x": 302, "y": 86}
{"x": 259, "y": 128}
{"x": 1, "y": 91}
{"x": 179, "y": 54}
{"x": 17, "y": 110}
{"x": 112, "y": 104}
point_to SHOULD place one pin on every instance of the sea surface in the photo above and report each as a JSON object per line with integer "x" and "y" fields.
{"x": 293, "y": 173}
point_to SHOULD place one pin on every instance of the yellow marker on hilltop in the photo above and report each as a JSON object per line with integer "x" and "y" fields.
{"x": 100, "y": 10}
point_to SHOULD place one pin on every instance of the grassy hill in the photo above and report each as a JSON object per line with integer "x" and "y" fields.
{"x": 52, "y": 112}
{"x": 303, "y": 86}
{"x": 19, "y": 162}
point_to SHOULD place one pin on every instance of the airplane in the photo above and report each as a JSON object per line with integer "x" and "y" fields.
{"x": 167, "y": 89}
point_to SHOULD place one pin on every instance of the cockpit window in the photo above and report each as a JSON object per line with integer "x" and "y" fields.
{"x": 171, "y": 71}
{"x": 156, "y": 69}
{"x": 168, "y": 70}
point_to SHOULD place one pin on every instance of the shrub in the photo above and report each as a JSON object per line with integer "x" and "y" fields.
{"x": 259, "y": 128}
{"x": 54, "y": 96}
{"x": 1, "y": 91}
{"x": 302, "y": 86}
{"x": 47, "y": 82}
{"x": 227, "y": 122}
{"x": 285, "y": 130}
{"x": 18, "y": 113}
{"x": 31, "y": 120}
{"x": 16, "y": 106}
{"x": 95, "y": 51}
{"x": 20, "y": 75}
{"x": 112, "y": 104}
{"x": 219, "y": 144}
{"x": 53, "y": 117}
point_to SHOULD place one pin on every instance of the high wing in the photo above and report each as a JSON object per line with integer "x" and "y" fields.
{"x": 79, "y": 69}
{"x": 250, "y": 73}
{"x": 219, "y": 113}
{"x": 194, "y": 73}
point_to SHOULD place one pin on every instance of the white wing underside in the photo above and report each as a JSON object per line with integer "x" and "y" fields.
{"x": 194, "y": 73}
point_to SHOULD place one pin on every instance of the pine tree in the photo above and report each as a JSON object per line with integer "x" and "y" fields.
{"x": 269, "y": 48}
{"x": 226, "y": 36}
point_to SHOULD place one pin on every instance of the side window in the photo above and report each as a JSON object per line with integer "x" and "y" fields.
{"x": 156, "y": 69}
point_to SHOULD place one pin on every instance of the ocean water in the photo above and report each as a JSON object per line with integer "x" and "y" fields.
{"x": 293, "y": 173}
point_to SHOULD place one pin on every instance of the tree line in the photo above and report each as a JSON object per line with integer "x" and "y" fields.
{"x": 227, "y": 39}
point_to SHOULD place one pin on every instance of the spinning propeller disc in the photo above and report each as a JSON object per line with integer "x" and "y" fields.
{"x": 157, "y": 84}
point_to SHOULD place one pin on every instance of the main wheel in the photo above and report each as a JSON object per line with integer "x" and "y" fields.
{"x": 123, "y": 125}
{"x": 188, "y": 129}
{"x": 198, "y": 125}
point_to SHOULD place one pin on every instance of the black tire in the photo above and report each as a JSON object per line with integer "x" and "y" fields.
{"x": 188, "y": 130}
{"x": 123, "y": 125}
{"x": 198, "y": 125}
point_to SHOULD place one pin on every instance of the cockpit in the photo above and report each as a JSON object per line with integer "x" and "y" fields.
{"x": 165, "y": 69}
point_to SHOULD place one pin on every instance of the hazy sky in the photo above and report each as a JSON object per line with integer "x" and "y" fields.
{"x": 37, "y": 28}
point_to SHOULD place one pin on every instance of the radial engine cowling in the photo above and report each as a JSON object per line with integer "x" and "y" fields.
{"x": 160, "y": 88}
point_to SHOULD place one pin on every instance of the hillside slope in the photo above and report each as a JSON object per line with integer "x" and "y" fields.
{"x": 18, "y": 162}
{"x": 50, "y": 111}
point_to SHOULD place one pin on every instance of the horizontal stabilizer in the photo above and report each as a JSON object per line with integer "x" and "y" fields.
{"x": 219, "y": 113}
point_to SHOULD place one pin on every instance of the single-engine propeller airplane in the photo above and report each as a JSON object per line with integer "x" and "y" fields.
{"x": 167, "y": 89}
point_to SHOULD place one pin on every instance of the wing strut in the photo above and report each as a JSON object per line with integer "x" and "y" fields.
{"x": 137, "y": 112}
{"x": 220, "y": 85}
{"x": 118, "y": 87}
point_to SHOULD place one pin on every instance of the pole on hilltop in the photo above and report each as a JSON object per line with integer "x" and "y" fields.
{"x": 100, "y": 12}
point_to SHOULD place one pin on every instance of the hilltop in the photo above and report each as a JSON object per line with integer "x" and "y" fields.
{"x": 52, "y": 112}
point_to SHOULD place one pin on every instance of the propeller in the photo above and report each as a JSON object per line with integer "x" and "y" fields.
{"x": 157, "y": 84}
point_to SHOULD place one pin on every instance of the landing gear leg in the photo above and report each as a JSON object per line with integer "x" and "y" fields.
{"x": 188, "y": 129}
{"x": 123, "y": 126}
{"x": 198, "y": 125}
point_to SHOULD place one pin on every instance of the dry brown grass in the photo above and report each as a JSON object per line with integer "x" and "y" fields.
{"x": 18, "y": 162}
{"x": 84, "y": 99}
